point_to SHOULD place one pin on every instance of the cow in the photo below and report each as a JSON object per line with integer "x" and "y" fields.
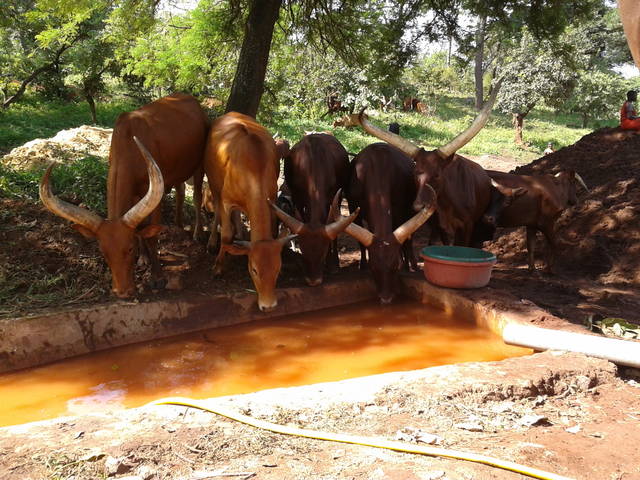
{"x": 174, "y": 129}
{"x": 315, "y": 170}
{"x": 382, "y": 185}
{"x": 545, "y": 198}
{"x": 242, "y": 167}
{"x": 462, "y": 186}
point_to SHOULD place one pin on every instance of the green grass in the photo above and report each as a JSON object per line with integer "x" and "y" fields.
{"x": 34, "y": 117}
{"x": 453, "y": 115}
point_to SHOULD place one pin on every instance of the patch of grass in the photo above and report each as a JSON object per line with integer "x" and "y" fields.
{"x": 34, "y": 117}
{"x": 452, "y": 115}
{"x": 82, "y": 180}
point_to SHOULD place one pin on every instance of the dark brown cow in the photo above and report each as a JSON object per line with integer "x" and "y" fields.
{"x": 546, "y": 197}
{"x": 242, "y": 167}
{"x": 174, "y": 129}
{"x": 382, "y": 185}
{"x": 315, "y": 169}
{"x": 462, "y": 186}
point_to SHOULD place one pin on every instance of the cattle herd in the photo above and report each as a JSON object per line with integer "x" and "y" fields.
{"x": 391, "y": 188}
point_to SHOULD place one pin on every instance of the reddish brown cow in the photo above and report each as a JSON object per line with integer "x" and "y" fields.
{"x": 546, "y": 197}
{"x": 174, "y": 130}
{"x": 315, "y": 170}
{"x": 462, "y": 186}
{"x": 382, "y": 185}
{"x": 242, "y": 166}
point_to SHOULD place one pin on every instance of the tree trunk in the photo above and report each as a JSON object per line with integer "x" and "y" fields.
{"x": 482, "y": 21}
{"x": 248, "y": 83}
{"x": 585, "y": 120}
{"x": 92, "y": 107}
{"x": 23, "y": 86}
{"x": 518, "y": 124}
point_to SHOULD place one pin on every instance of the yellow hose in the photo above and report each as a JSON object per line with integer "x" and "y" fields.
{"x": 359, "y": 440}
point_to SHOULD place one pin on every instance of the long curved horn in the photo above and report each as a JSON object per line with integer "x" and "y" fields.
{"x": 581, "y": 181}
{"x": 465, "y": 137}
{"x": 334, "y": 210}
{"x": 391, "y": 138}
{"x": 67, "y": 210}
{"x": 151, "y": 200}
{"x": 293, "y": 224}
{"x": 364, "y": 236}
{"x": 287, "y": 239}
{"x": 407, "y": 229}
{"x": 333, "y": 229}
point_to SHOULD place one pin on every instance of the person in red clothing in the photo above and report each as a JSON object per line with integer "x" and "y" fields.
{"x": 629, "y": 120}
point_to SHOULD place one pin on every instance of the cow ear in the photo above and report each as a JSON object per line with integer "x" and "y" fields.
{"x": 151, "y": 231}
{"x": 83, "y": 230}
{"x": 238, "y": 248}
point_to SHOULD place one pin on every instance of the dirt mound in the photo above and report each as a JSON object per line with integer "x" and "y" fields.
{"x": 65, "y": 146}
{"x": 599, "y": 237}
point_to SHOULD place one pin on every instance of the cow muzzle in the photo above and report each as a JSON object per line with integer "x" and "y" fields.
{"x": 313, "y": 282}
{"x": 267, "y": 306}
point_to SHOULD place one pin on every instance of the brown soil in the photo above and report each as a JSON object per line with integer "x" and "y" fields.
{"x": 44, "y": 264}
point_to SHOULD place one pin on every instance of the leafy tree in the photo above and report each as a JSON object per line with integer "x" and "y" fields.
{"x": 597, "y": 96}
{"x": 538, "y": 71}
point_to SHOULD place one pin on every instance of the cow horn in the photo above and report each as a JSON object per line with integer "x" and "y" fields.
{"x": 465, "y": 137}
{"x": 408, "y": 228}
{"x": 391, "y": 138}
{"x": 333, "y": 229}
{"x": 364, "y": 236}
{"x": 581, "y": 181}
{"x": 67, "y": 210}
{"x": 334, "y": 210}
{"x": 287, "y": 239}
{"x": 151, "y": 200}
{"x": 293, "y": 224}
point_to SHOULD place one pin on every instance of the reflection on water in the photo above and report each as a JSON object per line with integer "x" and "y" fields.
{"x": 333, "y": 344}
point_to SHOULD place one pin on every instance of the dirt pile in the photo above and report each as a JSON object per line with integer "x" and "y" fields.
{"x": 65, "y": 146}
{"x": 599, "y": 237}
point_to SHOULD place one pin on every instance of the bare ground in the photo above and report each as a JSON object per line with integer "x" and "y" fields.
{"x": 46, "y": 265}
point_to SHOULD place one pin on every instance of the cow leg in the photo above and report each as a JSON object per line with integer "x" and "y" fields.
{"x": 179, "y": 214}
{"x": 333, "y": 261}
{"x": 410, "y": 261}
{"x": 158, "y": 281}
{"x": 198, "y": 176}
{"x": 226, "y": 236}
{"x": 531, "y": 241}
{"x": 548, "y": 232}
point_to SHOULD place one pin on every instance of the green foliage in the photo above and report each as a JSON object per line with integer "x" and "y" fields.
{"x": 431, "y": 75}
{"x": 537, "y": 71}
{"x": 598, "y": 95}
{"x": 82, "y": 180}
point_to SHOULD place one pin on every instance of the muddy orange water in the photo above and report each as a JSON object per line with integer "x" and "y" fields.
{"x": 327, "y": 345}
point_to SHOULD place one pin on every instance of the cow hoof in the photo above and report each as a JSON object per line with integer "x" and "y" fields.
{"x": 159, "y": 284}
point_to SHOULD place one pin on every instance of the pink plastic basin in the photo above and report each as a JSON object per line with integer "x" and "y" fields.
{"x": 457, "y": 267}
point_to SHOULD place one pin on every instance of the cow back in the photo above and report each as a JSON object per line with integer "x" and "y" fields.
{"x": 173, "y": 129}
{"x": 316, "y": 167}
{"x": 242, "y": 167}
{"x": 382, "y": 184}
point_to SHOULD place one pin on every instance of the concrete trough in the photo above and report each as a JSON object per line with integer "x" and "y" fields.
{"x": 44, "y": 338}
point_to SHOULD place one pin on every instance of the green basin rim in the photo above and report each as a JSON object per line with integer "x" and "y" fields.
{"x": 457, "y": 254}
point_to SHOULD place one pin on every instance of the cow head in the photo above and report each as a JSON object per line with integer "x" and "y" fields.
{"x": 567, "y": 180}
{"x": 385, "y": 253}
{"x": 116, "y": 237}
{"x": 501, "y": 198}
{"x": 264, "y": 263}
{"x": 314, "y": 240}
{"x": 430, "y": 164}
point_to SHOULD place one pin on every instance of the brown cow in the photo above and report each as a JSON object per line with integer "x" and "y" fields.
{"x": 382, "y": 185}
{"x": 315, "y": 170}
{"x": 462, "y": 186}
{"x": 242, "y": 166}
{"x": 546, "y": 197}
{"x": 174, "y": 130}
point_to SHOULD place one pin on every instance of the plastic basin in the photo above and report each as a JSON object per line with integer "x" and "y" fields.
{"x": 457, "y": 267}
